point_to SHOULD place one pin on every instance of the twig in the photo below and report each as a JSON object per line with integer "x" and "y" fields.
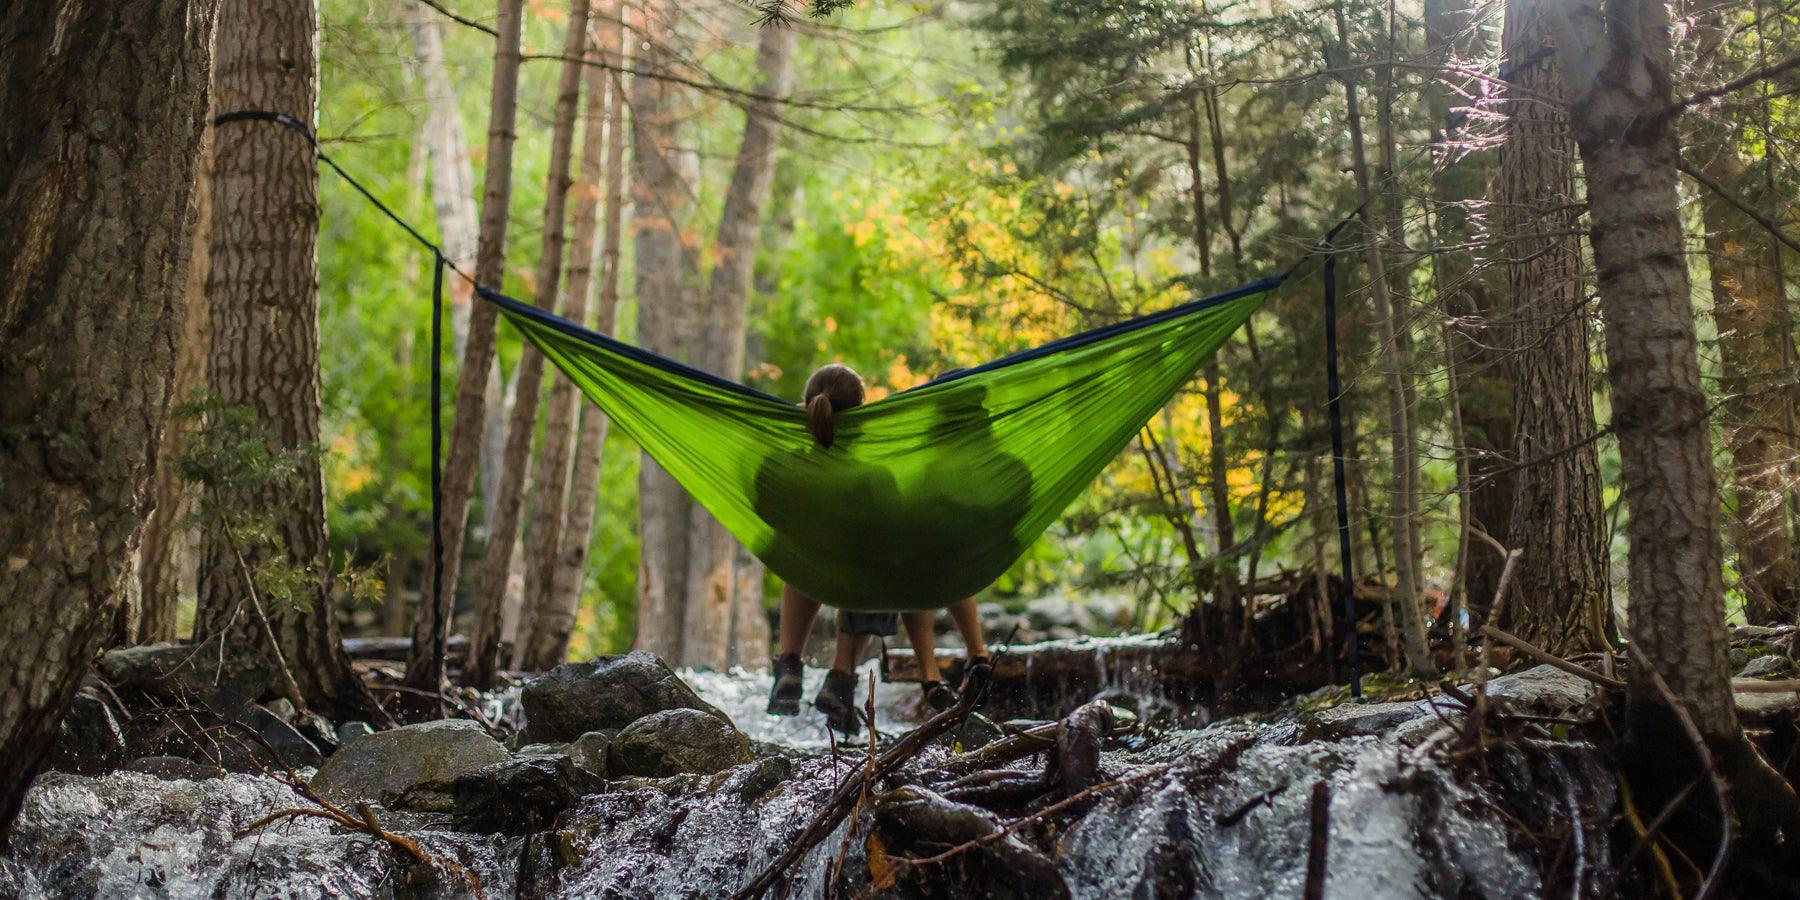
{"x": 1526, "y": 647}
{"x": 1743, "y": 81}
{"x": 1726, "y": 195}
{"x": 1721, "y": 788}
{"x": 838, "y": 805}
{"x": 1647, "y": 840}
{"x": 1320, "y": 844}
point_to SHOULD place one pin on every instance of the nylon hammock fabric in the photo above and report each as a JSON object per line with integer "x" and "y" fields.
{"x": 926, "y": 496}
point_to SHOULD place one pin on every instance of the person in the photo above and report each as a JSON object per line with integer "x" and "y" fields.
{"x": 829, "y": 390}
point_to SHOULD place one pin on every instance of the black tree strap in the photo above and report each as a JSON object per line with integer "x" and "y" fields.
{"x": 1333, "y": 404}
{"x": 437, "y": 473}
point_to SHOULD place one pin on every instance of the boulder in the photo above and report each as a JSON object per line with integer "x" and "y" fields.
{"x": 1769, "y": 665}
{"x": 610, "y": 692}
{"x": 674, "y": 741}
{"x": 89, "y": 740}
{"x": 192, "y": 673}
{"x": 350, "y": 731}
{"x": 522, "y": 794}
{"x": 589, "y": 752}
{"x": 367, "y": 767}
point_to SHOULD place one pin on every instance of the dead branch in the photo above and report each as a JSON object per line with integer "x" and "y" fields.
{"x": 1320, "y": 844}
{"x": 1721, "y": 788}
{"x": 1527, "y": 648}
{"x": 1040, "y": 815}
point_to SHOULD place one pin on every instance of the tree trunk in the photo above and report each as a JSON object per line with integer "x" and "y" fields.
{"x": 262, "y": 288}
{"x": 546, "y": 643}
{"x": 1755, "y": 351}
{"x": 1402, "y": 479}
{"x": 1471, "y": 304}
{"x": 478, "y": 356}
{"x": 104, "y": 106}
{"x": 165, "y": 552}
{"x": 1561, "y": 590}
{"x": 711, "y": 581}
{"x": 658, "y": 199}
{"x": 453, "y": 202}
{"x": 496, "y": 572}
{"x": 550, "y": 477}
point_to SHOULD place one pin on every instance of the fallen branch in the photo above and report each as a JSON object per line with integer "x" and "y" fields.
{"x": 1721, "y": 788}
{"x": 1527, "y": 648}
{"x": 1319, "y": 845}
{"x": 1758, "y": 686}
{"x": 845, "y": 796}
{"x": 1040, "y": 815}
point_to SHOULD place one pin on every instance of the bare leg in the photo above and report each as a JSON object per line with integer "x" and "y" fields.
{"x": 797, "y": 614}
{"x": 924, "y": 642}
{"x": 968, "y": 624}
{"x": 849, "y": 649}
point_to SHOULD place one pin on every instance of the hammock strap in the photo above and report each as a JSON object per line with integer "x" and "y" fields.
{"x": 1333, "y": 397}
{"x": 437, "y": 472}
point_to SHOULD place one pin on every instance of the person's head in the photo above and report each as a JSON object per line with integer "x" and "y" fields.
{"x": 830, "y": 390}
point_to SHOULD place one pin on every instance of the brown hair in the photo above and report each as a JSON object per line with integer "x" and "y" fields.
{"x": 831, "y": 388}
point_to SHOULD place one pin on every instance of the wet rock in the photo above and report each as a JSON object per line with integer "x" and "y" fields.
{"x": 89, "y": 740}
{"x": 319, "y": 731}
{"x": 392, "y": 761}
{"x": 674, "y": 741}
{"x": 283, "y": 708}
{"x": 291, "y": 748}
{"x": 753, "y": 782}
{"x": 1769, "y": 665}
{"x": 543, "y": 750}
{"x": 522, "y": 794}
{"x": 173, "y": 768}
{"x": 589, "y": 752}
{"x": 198, "y": 673}
{"x": 1000, "y": 868}
{"x": 350, "y": 731}
{"x": 972, "y": 733}
{"x": 609, "y": 692}
{"x": 1542, "y": 690}
{"x": 1348, "y": 719}
{"x": 1738, "y": 657}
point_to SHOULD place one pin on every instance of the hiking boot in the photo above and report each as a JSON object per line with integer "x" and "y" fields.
{"x": 837, "y": 700}
{"x": 784, "y": 696}
{"x": 938, "y": 695}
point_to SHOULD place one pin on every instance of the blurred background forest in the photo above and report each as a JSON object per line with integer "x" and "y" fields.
{"x": 951, "y": 182}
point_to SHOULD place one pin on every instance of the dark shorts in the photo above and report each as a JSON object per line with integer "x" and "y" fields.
{"x": 876, "y": 623}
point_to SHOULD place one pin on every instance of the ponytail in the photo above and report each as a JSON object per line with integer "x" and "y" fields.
{"x": 831, "y": 388}
{"x": 818, "y": 419}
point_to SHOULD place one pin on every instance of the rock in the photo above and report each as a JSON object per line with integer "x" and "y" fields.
{"x": 350, "y": 731}
{"x": 290, "y": 746}
{"x": 391, "y": 761}
{"x": 1769, "y": 665}
{"x": 319, "y": 730}
{"x": 283, "y": 708}
{"x": 196, "y": 673}
{"x": 674, "y": 741}
{"x": 173, "y": 768}
{"x": 522, "y": 794}
{"x": 542, "y": 750}
{"x": 752, "y": 782}
{"x": 1757, "y": 632}
{"x": 1737, "y": 658}
{"x": 974, "y": 732}
{"x": 1542, "y": 690}
{"x": 589, "y": 752}
{"x": 1348, "y": 719}
{"x": 609, "y": 692}
{"x": 89, "y": 740}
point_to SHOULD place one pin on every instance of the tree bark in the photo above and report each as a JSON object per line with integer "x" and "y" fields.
{"x": 471, "y": 398}
{"x": 546, "y": 642}
{"x": 521, "y": 426}
{"x": 1562, "y": 583}
{"x": 104, "y": 106}
{"x": 1402, "y": 478}
{"x": 167, "y": 548}
{"x": 550, "y": 477}
{"x": 658, "y": 200}
{"x": 1616, "y": 67}
{"x": 1755, "y": 351}
{"x": 453, "y": 202}
{"x": 262, "y": 289}
{"x": 711, "y": 582}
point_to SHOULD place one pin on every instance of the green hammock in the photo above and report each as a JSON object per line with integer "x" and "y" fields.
{"x": 927, "y": 495}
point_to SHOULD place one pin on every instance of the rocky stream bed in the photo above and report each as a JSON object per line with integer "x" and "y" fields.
{"x": 629, "y": 780}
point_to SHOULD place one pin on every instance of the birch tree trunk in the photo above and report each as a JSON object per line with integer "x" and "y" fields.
{"x": 1402, "y": 479}
{"x": 658, "y": 200}
{"x": 1755, "y": 351}
{"x": 550, "y": 477}
{"x": 496, "y": 572}
{"x": 1562, "y": 586}
{"x": 546, "y": 642}
{"x": 711, "y": 582}
{"x": 453, "y": 202}
{"x": 478, "y": 356}
{"x": 104, "y": 106}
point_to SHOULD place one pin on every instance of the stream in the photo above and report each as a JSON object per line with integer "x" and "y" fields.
{"x": 1225, "y": 811}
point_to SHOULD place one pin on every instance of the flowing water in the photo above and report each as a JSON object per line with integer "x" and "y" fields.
{"x": 1222, "y": 811}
